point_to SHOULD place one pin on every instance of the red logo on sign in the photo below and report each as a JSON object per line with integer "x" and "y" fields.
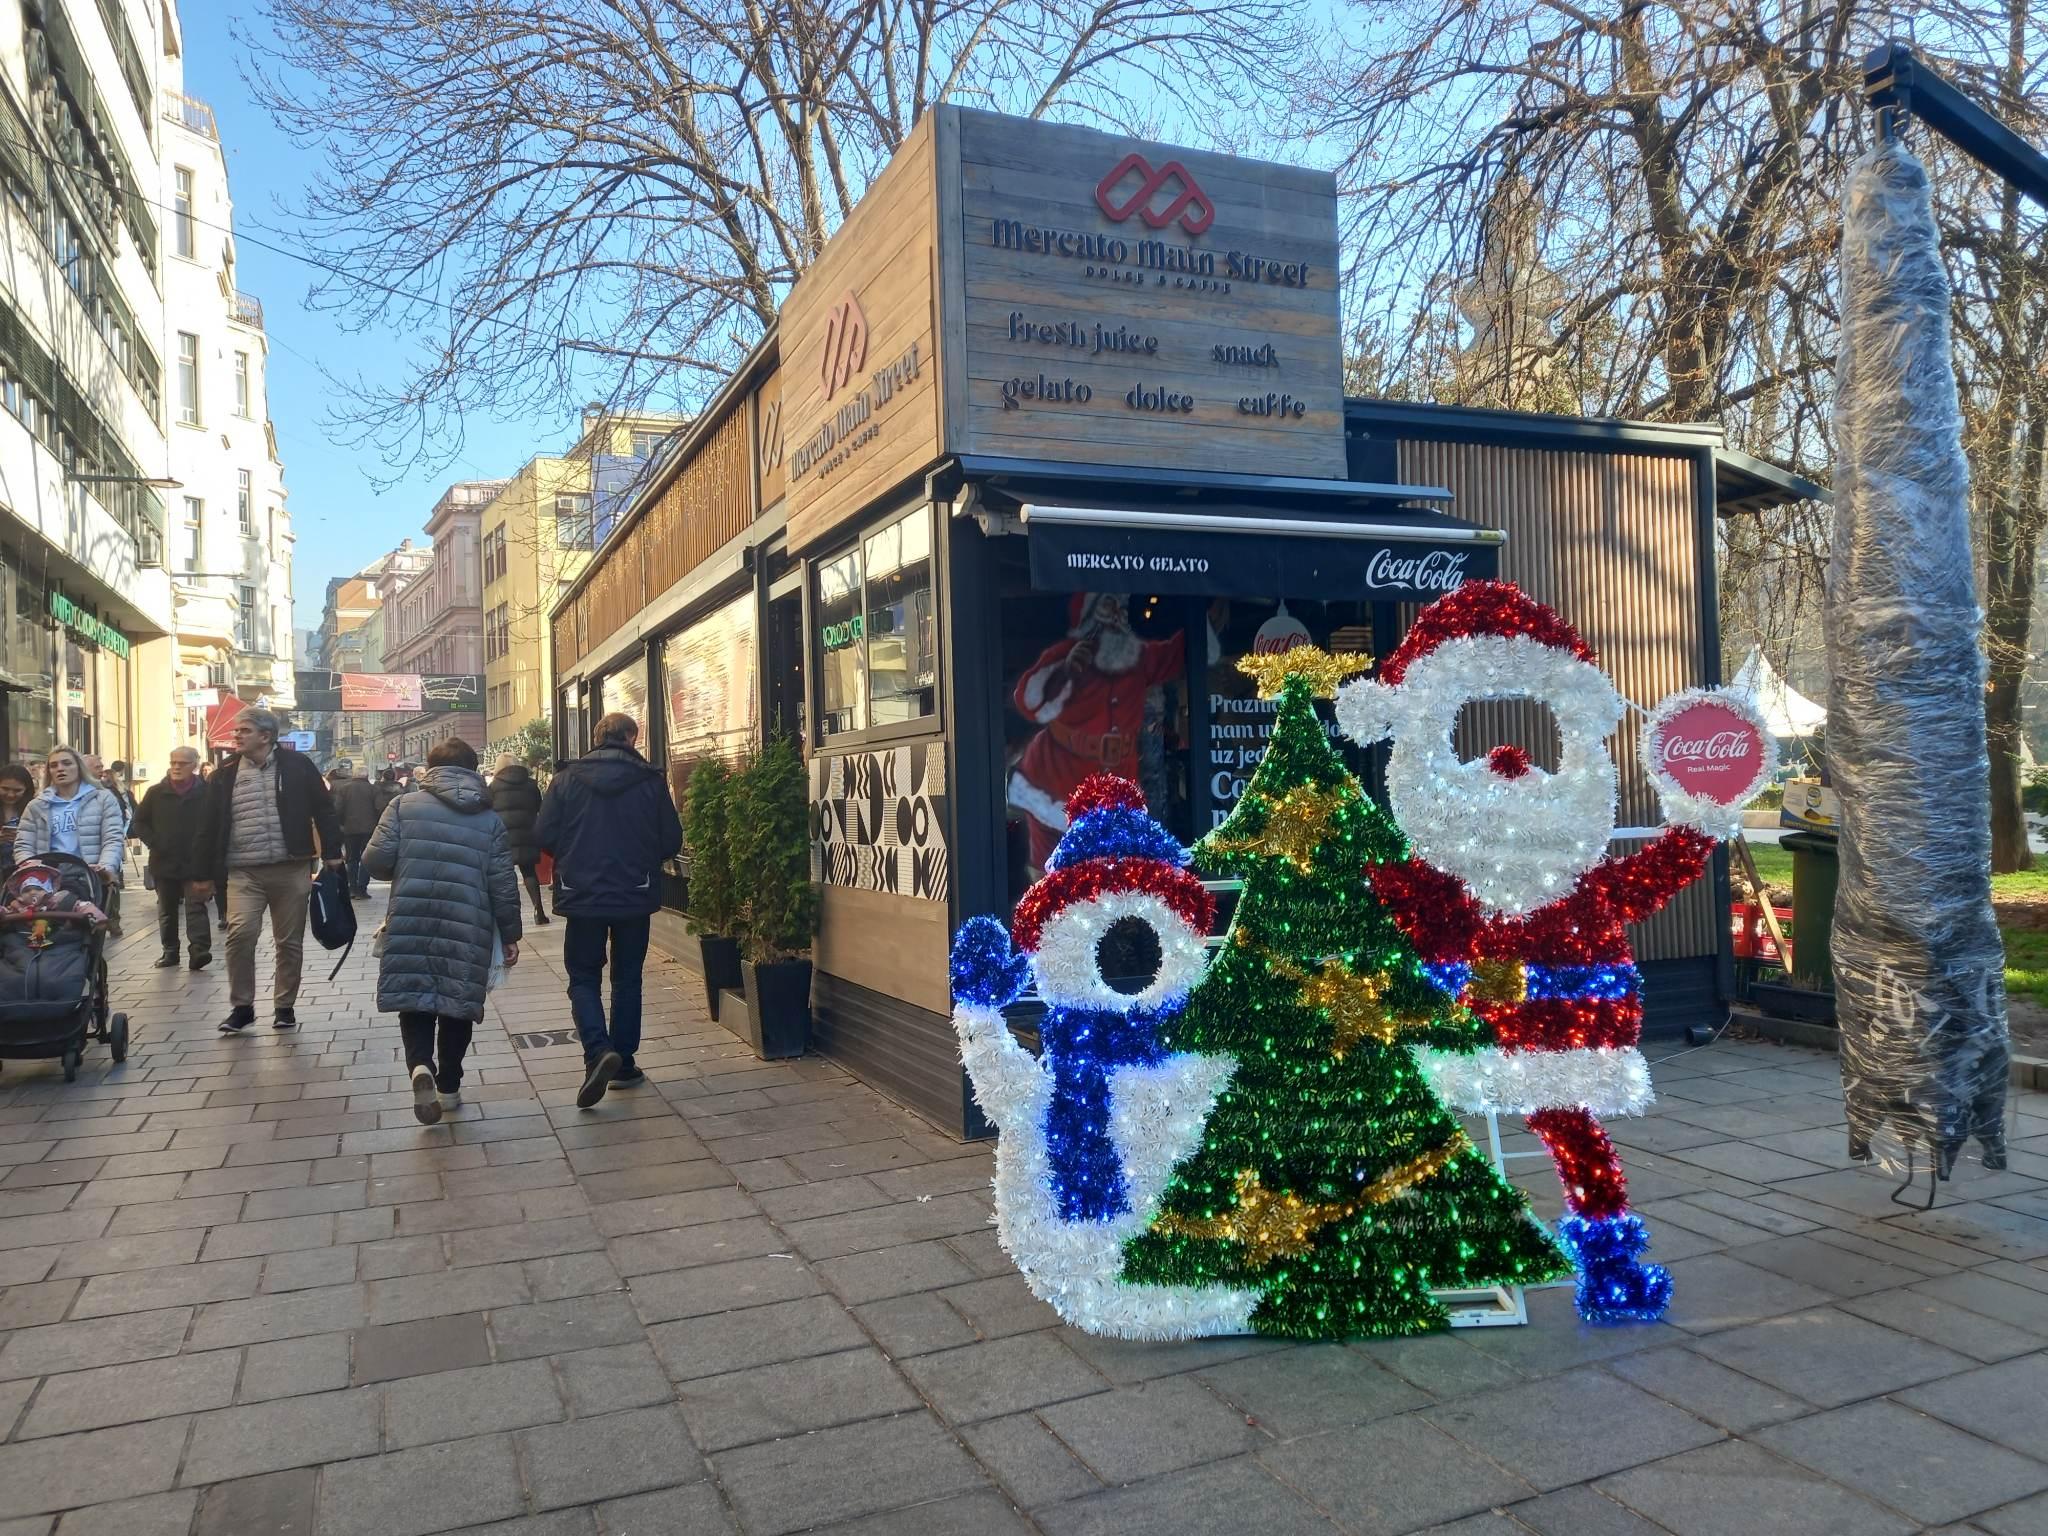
{"x": 846, "y": 344}
{"x": 1190, "y": 203}
{"x": 1708, "y": 750}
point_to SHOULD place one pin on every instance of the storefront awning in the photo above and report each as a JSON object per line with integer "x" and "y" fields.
{"x": 9, "y": 683}
{"x": 1215, "y": 552}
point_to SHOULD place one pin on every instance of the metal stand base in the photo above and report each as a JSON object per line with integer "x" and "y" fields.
{"x": 1493, "y": 1306}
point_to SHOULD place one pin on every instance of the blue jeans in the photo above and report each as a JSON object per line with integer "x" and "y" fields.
{"x": 583, "y": 953}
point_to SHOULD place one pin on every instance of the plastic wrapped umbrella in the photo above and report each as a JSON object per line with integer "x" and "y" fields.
{"x": 1919, "y": 967}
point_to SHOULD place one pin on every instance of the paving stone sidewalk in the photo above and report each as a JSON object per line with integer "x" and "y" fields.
{"x": 245, "y": 1293}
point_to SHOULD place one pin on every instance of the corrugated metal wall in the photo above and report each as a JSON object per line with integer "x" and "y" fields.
{"x": 1610, "y": 540}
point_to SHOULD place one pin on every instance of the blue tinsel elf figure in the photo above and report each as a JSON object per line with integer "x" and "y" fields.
{"x": 1114, "y": 937}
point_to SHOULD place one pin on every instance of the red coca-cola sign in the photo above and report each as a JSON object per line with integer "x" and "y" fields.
{"x": 1707, "y": 749}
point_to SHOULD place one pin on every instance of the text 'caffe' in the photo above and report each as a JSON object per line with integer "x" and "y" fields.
{"x": 1049, "y": 437}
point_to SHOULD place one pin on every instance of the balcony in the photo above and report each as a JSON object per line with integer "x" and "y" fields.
{"x": 248, "y": 310}
{"x": 192, "y": 113}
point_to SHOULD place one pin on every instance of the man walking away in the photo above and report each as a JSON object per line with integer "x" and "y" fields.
{"x": 388, "y": 790}
{"x": 355, "y": 805}
{"x": 263, "y": 810}
{"x": 516, "y": 799}
{"x": 609, "y": 822}
{"x": 167, "y": 822}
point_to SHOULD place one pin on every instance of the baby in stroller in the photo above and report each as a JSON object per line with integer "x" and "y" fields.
{"x": 53, "y": 970}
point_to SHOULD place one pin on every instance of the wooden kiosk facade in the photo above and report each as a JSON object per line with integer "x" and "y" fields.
{"x": 1051, "y": 391}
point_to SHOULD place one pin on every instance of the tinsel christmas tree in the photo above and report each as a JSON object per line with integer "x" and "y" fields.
{"x": 1329, "y": 1178}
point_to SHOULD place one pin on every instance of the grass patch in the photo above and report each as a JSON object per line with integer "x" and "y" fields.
{"x": 2026, "y": 964}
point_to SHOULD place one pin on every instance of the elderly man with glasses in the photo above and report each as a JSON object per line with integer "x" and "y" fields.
{"x": 267, "y": 815}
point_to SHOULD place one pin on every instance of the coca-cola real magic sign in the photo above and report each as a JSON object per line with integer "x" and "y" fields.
{"x": 1081, "y": 557}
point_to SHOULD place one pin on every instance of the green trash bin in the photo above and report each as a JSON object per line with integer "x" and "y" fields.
{"x": 1814, "y": 873}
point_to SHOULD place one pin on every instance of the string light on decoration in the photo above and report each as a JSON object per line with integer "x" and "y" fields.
{"x": 1329, "y": 1180}
{"x": 1092, "y": 1127}
{"x": 1513, "y": 903}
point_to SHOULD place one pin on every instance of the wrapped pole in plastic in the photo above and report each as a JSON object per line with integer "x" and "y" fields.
{"x": 1919, "y": 967}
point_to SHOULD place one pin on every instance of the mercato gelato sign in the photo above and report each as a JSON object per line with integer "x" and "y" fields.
{"x": 853, "y": 426}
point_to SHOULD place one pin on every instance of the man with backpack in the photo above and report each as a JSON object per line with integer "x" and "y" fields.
{"x": 267, "y": 815}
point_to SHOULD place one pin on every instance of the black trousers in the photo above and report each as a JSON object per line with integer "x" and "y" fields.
{"x": 353, "y": 844}
{"x": 530, "y": 873}
{"x": 170, "y": 897}
{"x": 420, "y": 1030}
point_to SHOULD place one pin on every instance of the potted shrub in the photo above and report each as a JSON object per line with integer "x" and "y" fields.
{"x": 713, "y": 898}
{"x": 768, "y": 829}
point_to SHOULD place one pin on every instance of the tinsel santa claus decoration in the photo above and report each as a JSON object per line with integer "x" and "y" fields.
{"x": 1114, "y": 937}
{"x": 1513, "y": 902}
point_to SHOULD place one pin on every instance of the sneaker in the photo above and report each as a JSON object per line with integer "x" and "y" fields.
{"x": 451, "y": 1098}
{"x": 237, "y": 1020}
{"x": 167, "y": 959}
{"x": 287, "y": 1018}
{"x": 201, "y": 960}
{"x": 602, "y": 1071}
{"x": 426, "y": 1098}
{"x": 629, "y": 1077}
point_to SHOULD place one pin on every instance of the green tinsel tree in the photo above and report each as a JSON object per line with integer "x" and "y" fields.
{"x": 1330, "y": 1177}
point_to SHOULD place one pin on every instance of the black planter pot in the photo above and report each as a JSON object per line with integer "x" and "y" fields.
{"x": 778, "y": 1007}
{"x": 721, "y": 957}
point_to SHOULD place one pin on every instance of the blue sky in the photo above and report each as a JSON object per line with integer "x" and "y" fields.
{"x": 342, "y": 520}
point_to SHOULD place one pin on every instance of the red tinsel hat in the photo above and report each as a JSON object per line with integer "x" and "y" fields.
{"x": 1111, "y": 844}
{"x": 1482, "y": 608}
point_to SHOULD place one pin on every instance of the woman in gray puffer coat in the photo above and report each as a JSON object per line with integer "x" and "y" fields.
{"x": 453, "y": 890}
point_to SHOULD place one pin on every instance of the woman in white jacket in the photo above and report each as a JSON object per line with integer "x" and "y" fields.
{"x": 75, "y": 816}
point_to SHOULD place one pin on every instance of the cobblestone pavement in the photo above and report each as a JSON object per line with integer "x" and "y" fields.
{"x": 246, "y": 1293}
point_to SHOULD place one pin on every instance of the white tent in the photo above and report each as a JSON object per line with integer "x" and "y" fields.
{"x": 1785, "y": 709}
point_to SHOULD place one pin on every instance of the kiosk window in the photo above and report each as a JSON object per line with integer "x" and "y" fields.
{"x": 841, "y": 705}
{"x": 876, "y": 631}
{"x": 902, "y": 673}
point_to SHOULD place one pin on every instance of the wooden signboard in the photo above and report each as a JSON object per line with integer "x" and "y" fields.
{"x": 859, "y": 367}
{"x": 771, "y": 450}
{"x": 1109, "y": 301}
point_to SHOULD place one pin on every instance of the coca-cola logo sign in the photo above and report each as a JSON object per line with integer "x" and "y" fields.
{"x": 1438, "y": 571}
{"x": 1709, "y": 750}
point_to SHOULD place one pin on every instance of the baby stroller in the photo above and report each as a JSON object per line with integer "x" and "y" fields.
{"x": 53, "y": 965}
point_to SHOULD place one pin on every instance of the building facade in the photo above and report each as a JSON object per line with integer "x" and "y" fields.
{"x": 955, "y": 462}
{"x": 230, "y": 535}
{"x": 344, "y": 644}
{"x": 436, "y": 629}
{"x": 538, "y": 533}
{"x": 85, "y": 602}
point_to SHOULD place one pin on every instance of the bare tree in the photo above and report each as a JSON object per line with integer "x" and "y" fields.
{"x": 1685, "y": 161}
{"x": 576, "y": 199}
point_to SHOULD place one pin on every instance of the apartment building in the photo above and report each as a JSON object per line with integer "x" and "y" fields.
{"x": 230, "y": 535}
{"x": 538, "y": 534}
{"x": 435, "y": 628}
{"x": 86, "y": 615}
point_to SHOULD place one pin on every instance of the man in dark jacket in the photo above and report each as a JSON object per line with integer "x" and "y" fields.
{"x": 388, "y": 790}
{"x": 516, "y": 799}
{"x": 355, "y": 806}
{"x": 609, "y": 822}
{"x": 167, "y": 821}
{"x": 263, "y": 811}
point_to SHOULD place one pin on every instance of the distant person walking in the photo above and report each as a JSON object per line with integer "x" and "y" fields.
{"x": 516, "y": 799}
{"x": 609, "y": 822}
{"x": 388, "y": 790}
{"x": 356, "y": 807}
{"x": 17, "y": 788}
{"x": 75, "y": 816}
{"x": 168, "y": 824}
{"x": 449, "y": 861}
{"x": 264, "y": 809}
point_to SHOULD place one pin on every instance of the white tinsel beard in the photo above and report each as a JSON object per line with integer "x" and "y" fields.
{"x": 1517, "y": 844}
